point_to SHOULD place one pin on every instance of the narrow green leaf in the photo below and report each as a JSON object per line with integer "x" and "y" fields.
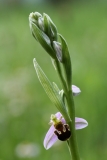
{"x": 51, "y": 90}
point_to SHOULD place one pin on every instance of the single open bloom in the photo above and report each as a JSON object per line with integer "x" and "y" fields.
{"x": 51, "y": 136}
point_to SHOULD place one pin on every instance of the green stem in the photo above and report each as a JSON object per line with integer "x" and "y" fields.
{"x": 73, "y": 140}
{"x": 69, "y": 147}
{"x": 72, "y": 143}
{"x": 71, "y": 109}
{"x": 61, "y": 77}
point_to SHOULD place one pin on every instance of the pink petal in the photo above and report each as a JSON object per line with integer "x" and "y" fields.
{"x": 80, "y": 123}
{"x": 50, "y": 138}
{"x": 75, "y": 90}
{"x": 59, "y": 115}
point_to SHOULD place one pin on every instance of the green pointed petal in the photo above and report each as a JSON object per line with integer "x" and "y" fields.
{"x": 50, "y": 90}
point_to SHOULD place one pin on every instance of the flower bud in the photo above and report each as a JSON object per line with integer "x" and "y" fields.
{"x": 50, "y": 28}
{"x": 37, "y": 15}
{"x": 37, "y": 19}
{"x": 41, "y": 23}
{"x": 36, "y": 27}
{"x": 58, "y": 50}
{"x": 33, "y": 17}
{"x": 75, "y": 90}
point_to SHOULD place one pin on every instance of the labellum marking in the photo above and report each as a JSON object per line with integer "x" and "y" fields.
{"x": 62, "y": 131}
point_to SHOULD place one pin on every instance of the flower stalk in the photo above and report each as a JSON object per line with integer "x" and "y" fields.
{"x": 73, "y": 140}
{"x": 64, "y": 123}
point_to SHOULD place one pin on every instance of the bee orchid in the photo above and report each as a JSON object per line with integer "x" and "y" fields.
{"x": 60, "y": 130}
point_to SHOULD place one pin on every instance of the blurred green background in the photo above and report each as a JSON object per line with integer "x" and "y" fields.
{"x": 24, "y": 107}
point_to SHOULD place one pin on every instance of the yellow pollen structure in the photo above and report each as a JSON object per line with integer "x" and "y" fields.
{"x": 54, "y": 119}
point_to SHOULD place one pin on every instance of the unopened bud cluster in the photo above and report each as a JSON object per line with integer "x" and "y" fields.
{"x": 45, "y": 31}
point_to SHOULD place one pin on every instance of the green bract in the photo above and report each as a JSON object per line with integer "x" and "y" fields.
{"x": 56, "y": 87}
{"x": 66, "y": 61}
{"x": 51, "y": 90}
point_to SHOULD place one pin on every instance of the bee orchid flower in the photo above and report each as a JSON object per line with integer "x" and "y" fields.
{"x": 60, "y": 130}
